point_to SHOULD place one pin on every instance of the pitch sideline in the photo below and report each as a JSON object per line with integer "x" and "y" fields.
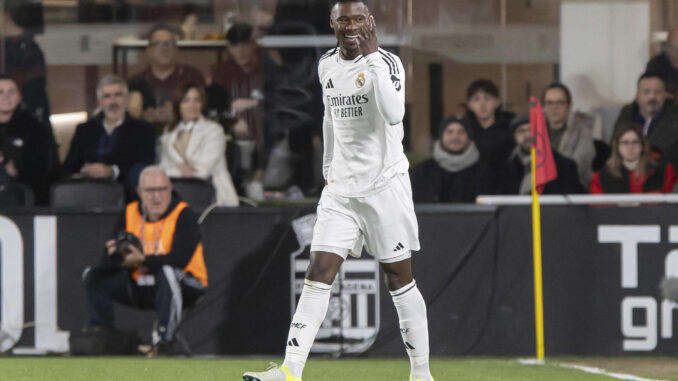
{"x": 590, "y": 369}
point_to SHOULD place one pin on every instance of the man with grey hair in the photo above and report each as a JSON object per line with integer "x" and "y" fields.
{"x": 154, "y": 260}
{"x": 111, "y": 144}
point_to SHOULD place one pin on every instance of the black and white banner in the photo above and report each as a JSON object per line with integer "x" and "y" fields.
{"x": 602, "y": 267}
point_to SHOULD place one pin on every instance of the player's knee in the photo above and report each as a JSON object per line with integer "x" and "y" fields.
{"x": 397, "y": 281}
{"x": 320, "y": 274}
{"x": 323, "y": 268}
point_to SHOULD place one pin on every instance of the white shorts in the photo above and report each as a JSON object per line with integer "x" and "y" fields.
{"x": 384, "y": 221}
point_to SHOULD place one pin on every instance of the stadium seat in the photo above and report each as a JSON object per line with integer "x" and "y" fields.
{"x": 87, "y": 193}
{"x": 19, "y": 195}
{"x": 198, "y": 193}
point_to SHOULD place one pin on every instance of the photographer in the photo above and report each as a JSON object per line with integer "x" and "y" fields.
{"x": 156, "y": 261}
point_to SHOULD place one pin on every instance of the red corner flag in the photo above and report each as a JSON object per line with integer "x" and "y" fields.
{"x": 544, "y": 163}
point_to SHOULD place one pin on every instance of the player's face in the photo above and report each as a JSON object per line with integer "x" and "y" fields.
{"x": 630, "y": 146}
{"x": 347, "y": 20}
{"x": 523, "y": 137}
{"x": 191, "y": 105}
{"x": 10, "y": 97}
{"x": 112, "y": 101}
{"x": 455, "y": 139}
{"x": 162, "y": 48}
{"x": 155, "y": 192}
{"x": 483, "y": 104}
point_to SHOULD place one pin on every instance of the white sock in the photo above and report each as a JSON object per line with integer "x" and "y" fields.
{"x": 310, "y": 313}
{"x": 413, "y": 327}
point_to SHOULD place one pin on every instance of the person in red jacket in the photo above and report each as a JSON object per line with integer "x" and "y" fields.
{"x": 633, "y": 166}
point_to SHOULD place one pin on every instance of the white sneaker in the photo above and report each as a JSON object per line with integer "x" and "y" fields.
{"x": 274, "y": 373}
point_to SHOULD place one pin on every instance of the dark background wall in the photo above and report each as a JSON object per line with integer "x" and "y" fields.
{"x": 474, "y": 270}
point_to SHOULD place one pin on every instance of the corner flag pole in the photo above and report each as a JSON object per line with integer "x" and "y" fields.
{"x": 536, "y": 250}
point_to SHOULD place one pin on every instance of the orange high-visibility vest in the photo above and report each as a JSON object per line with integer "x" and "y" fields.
{"x": 158, "y": 237}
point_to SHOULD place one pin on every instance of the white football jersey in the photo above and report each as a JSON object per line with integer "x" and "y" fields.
{"x": 364, "y": 102}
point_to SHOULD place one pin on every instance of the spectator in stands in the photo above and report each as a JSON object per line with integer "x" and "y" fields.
{"x": 242, "y": 78}
{"x": 196, "y": 147}
{"x": 24, "y": 60}
{"x": 570, "y": 132}
{"x": 657, "y": 115}
{"x": 665, "y": 64}
{"x": 633, "y": 167}
{"x": 141, "y": 104}
{"x": 489, "y": 125}
{"x": 515, "y": 176}
{"x": 24, "y": 143}
{"x": 161, "y": 267}
{"x": 163, "y": 73}
{"x": 112, "y": 144}
{"x": 452, "y": 175}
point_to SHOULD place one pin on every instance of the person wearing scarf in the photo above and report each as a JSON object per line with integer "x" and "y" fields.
{"x": 452, "y": 174}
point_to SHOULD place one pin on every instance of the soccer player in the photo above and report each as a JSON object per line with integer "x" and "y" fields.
{"x": 368, "y": 197}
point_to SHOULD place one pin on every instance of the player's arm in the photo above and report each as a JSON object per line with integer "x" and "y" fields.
{"x": 387, "y": 73}
{"x": 328, "y": 134}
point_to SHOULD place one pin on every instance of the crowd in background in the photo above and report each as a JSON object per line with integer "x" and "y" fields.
{"x": 253, "y": 131}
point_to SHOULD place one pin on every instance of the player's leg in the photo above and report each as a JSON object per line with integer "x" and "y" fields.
{"x": 308, "y": 317}
{"x": 311, "y": 309}
{"x": 335, "y": 233}
{"x": 391, "y": 233}
{"x": 411, "y": 315}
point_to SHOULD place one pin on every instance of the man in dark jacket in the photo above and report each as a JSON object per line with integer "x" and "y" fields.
{"x": 24, "y": 143}
{"x": 516, "y": 174}
{"x": 657, "y": 114}
{"x": 489, "y": 126}
{"x": 111, "y": 145}
{"x": 453, "y": 174}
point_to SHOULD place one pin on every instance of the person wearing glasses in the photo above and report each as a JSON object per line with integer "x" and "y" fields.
{"x": 163, "y": 73}
{"x": 657, "y": 115}
{"x": 571, "y": 133}
{"x": 633, "y": 166}
{"x": 161, "y": 267}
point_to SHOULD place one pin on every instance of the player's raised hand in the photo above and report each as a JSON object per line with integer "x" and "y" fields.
{"x": 367, "y": 37}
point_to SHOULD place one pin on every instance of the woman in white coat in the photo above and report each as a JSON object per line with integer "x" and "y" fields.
{"x": 196, "y": 147}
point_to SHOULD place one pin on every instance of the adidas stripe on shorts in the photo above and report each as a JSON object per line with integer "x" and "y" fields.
{"x": 384, "y": 222}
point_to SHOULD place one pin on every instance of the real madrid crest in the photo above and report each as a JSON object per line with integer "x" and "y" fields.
{"x": 360, "y": 81}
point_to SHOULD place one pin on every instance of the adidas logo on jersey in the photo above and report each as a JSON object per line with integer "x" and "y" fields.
{"x": 399, "y": 247}
{"x": 329, "y": 85}
{"x": 293, "y": 343}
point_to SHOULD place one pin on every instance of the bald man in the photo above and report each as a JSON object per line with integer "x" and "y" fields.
{"x": 163, "y": 270}
{"x": 665, "y": 64}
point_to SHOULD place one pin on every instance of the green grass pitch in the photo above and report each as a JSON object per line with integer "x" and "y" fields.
{"x": 231, "y": 369}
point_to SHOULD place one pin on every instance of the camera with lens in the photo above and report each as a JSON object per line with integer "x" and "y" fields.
{"x": 123, "y": 241}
